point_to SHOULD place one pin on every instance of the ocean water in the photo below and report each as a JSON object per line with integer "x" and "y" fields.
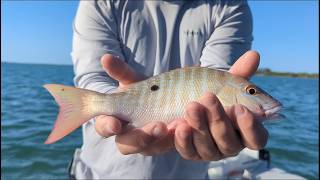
{"x": 28, "y": 112}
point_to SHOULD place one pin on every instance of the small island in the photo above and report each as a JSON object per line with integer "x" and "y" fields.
{"x": 269, "y": 72}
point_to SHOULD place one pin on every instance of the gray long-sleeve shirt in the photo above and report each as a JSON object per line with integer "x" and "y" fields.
{"x": 152, "y": 37}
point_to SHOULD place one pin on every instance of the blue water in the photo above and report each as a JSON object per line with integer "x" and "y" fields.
{"x": 28, "y": 113}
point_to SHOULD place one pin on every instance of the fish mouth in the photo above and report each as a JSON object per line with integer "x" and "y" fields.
{"x": 269, "y": 113}
{"x": 273, "y": 112}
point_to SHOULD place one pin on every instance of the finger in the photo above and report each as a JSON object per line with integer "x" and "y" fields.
{"x": 220, "y": 126}
{"x": 172, "y": 125}
{"x": 253, "y": 133}
{"x": 135, "y": 140}
{"x": 164, "y": 144}
{"x": 107, "y": 126}
{"x": 202, "y": 139}
{"x": 119, "y": 70}
{"x": 183, "y": 142}
{"x": 246, "y": 65}
{"x": 160, "y": 146}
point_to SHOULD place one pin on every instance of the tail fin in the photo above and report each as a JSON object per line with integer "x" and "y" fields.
{"x": 74, "y": 109}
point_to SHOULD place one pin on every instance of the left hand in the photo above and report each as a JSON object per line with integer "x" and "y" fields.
{"x": 213, "y": 132}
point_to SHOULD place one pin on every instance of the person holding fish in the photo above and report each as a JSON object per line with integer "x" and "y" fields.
{"x": 117, "y": 44}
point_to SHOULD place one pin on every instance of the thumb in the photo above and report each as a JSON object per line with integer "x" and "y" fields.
{"x": 119, "y": 70}
{"x": 246, "y": 65}
{"x": 136, "y": 140}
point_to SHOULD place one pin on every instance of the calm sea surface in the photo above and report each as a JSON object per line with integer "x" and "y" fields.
{"x": 28, "y": 113}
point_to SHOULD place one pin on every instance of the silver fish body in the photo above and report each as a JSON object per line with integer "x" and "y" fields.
{"x": 160, "y": 98}
{"x": 163, "y": 97}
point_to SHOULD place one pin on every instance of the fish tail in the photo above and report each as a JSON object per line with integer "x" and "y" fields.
{"x": 75, "y": 109}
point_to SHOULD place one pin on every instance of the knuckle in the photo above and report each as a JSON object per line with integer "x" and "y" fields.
{"x": 207, "y": 155}
{"x": 185, "y": 157}
{"x": 212, "y": 156}
{"x": 256, "y": 146}
{"x": 215, "y": 157}
{"x": 193, "y": 106}
{"x": 216, "y": 114}
{"x": 144, "y": 141}
{"x": 196, "y": 119}
{"x": 156, "y": 148}
{"x": 198, "y": 124}
{"x": 213, "y": 101}
{"x": 215, "y": 121}
{"x": 195, "y": 158}
{"x": 229, "y": 151}
{"x": 189, "y": 157}
{"x": 186, "y": 153}
{"x": 216, "y": 118}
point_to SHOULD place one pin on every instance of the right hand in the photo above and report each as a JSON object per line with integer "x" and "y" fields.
{"x": 130, "y": 140}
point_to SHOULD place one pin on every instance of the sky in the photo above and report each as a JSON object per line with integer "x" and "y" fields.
{"x": 285, "y": 33}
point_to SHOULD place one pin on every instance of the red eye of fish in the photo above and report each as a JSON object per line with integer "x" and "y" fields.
{"x": 251, "y": 90}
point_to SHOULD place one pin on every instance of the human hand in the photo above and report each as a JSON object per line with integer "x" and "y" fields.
{"x": 129, "y": 140}
{"x": 212, "y": 132}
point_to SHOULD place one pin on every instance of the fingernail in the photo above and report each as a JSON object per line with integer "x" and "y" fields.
{"x": 194, "y": 114}
{"x": 109, "y": 130}
{"x": 157, "y": 132}
{"x": 239, "y": 110}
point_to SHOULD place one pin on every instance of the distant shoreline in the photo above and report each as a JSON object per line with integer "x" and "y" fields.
{"x": 269, "y": 72}
{"x": 260, "y": 72}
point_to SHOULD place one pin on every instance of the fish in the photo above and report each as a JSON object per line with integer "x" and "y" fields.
{"x": 158, "y": 98}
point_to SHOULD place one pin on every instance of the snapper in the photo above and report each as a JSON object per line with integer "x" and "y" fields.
{"x": 158, "y": 98}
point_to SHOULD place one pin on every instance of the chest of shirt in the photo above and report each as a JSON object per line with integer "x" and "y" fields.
{"x": 164, "y": 31}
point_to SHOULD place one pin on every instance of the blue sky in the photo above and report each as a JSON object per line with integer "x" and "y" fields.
{"x": 285, "y": 33}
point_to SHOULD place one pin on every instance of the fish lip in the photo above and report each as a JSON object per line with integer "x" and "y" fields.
{"x": 270, "y": 113}
{"x": 273, "y": 110}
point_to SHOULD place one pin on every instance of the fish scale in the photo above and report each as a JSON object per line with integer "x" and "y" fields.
{"x": 173, "y": 97}
{"x": 159, "y": 98}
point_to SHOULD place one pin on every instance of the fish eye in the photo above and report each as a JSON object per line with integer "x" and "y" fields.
{"x": 154, "y": 88}
{"x": 251, "y": 90}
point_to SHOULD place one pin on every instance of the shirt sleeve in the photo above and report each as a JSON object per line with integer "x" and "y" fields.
{"x": 231, "y": 35}
{"x": 94, "y": 34}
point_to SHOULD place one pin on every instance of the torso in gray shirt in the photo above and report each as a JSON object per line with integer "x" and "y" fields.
{"x": 152, "y": 37}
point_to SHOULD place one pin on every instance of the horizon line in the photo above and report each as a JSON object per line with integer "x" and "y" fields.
{"x": 61, "y": 64}
{"x": 36, "y": 63}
